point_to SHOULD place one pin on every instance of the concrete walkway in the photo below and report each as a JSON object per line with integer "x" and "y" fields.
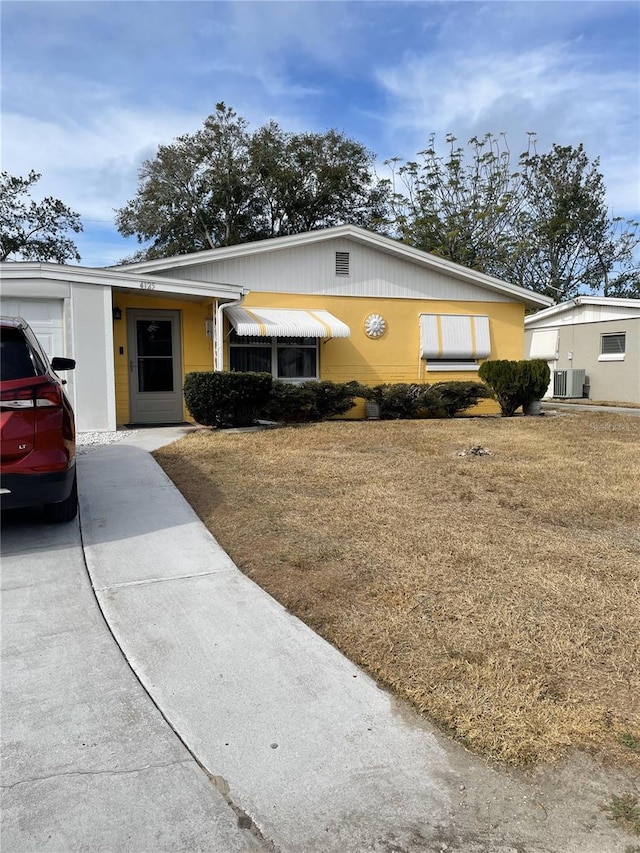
{"x": 254, "y": 732}
{"x": 549, "y": 405}
{"x": 297, "y": 737}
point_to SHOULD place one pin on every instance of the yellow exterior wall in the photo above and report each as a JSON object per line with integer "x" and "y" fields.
{"x": 196, "y": 347}
{"x": 395, "y": 357}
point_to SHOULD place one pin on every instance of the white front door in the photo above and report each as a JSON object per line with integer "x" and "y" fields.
{"x": 155, "y": 367}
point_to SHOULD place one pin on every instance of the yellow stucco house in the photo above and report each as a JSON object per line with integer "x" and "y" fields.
{"x": 340, "y": 304}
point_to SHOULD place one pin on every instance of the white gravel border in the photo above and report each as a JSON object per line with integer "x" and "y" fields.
{"x": 87, "y": 441}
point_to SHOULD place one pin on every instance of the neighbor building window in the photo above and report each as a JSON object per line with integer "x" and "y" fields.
{"x": 612, "y": 347}
{"x": 289, "y": 359}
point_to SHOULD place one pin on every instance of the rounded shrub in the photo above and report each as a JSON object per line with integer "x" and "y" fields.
{"x": 515, "y": 383}
{"x": 503, "y": 377}
{"x": 534, "y": 380}
{"x": 222, "y": 399}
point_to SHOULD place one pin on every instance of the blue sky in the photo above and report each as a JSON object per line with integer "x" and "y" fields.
{"x": 90, "y": 89}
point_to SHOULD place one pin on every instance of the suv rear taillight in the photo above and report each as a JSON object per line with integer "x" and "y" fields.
{"x": 46, "y": 394}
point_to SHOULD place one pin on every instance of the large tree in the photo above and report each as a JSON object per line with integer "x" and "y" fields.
{"x": 224, "y": 185}
{"x": 568, "y": 240}
{"x": 34, "y": 231}
{"x": 460, "y": 210}
{"x": 542, "y": 223}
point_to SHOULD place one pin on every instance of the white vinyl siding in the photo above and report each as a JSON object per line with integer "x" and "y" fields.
{"x": 310, "y": 269}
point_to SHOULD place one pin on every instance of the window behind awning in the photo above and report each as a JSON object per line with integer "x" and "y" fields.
{"x": 285, "y": 323}
{"x": 544, "y": 344}
{"x": 454, "y": 336}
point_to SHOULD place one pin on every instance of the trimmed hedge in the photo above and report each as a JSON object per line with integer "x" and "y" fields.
{"x": 221, "y": 399}
{"x": 515, "y": 383}
{"x": 310, "y": 401}
{"x": 402, "y": 401}
{"x": 454, "y": 397}
{"x": 398, "y": 401}
{"x": 236, "y": 399}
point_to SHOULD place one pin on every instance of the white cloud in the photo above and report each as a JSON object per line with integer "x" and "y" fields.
{"x": 553, "y": 91}
{"x": 90, "y": 162}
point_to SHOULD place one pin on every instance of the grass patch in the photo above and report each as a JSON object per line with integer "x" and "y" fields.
{"x": 625, "y": 812}
{"x": 630, "y": 740}
{"x": 498, "y": 594}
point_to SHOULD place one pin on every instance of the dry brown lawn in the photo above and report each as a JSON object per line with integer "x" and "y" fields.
{"x": 499, "y": 594}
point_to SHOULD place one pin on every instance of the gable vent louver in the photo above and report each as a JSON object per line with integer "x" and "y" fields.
{"x": 342, "y": 263}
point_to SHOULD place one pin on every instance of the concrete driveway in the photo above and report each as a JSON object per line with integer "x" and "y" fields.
{"x": 203, "y": 717}
{"x": 88, "y": 762}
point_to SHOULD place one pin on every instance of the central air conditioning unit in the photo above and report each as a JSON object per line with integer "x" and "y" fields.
{"x": 568, "y": 383}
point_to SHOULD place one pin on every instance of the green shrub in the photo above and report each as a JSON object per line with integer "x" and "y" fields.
{"x": 398, "y": 401}
{"x": 401, "y": 401}
{"x": 515, "y": 383}
{"x": 223, "y": 399}
{"x": 534, "y": 379}
{"x": 453, "y": 397}
{"x": 503, "y": 377}
{"x": 310, "y": 401}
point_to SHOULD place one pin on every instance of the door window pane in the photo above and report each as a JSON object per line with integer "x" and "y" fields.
{"x": 155, "y": 374}
{"x": 154, "y": 337}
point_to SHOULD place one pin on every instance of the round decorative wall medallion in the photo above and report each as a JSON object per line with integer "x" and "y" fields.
{"x": 375, "y": 325}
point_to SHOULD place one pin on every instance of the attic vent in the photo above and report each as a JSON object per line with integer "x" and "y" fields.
{"x": 342, "y": 263}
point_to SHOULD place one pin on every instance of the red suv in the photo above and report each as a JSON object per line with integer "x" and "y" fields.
{"x": 37, "y": 426}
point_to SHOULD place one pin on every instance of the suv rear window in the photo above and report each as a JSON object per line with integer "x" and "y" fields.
{"x": 17, "y": 359}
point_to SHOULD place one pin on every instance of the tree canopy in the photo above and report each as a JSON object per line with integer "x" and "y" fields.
{"x": 539, "y": 220}
{"x": 34, "y": 231}
{"x": 542, "y": 224}
{"x": 224, "y": 185}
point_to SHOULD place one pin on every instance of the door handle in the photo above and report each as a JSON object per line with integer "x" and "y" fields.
{"x": 131, "y": 367}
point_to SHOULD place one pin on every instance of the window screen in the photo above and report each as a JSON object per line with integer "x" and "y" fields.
{"x": 613, "y": 344}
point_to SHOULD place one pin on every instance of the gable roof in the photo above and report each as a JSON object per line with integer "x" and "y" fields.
{"x": 357, "y": 235}
{"x": 601, "y": 301}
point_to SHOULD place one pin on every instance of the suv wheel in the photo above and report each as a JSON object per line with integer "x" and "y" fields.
{"x": 65, "y": 510}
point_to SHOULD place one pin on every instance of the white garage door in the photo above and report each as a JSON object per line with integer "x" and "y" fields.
{"x": 45, "y": 318}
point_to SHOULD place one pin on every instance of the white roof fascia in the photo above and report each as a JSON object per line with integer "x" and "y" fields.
{"x": 605, "y": 301}
{"x": 120, "y": 279}
{"x": 360, "y": 235}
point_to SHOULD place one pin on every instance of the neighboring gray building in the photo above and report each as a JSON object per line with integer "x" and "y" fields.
{"x": 594, "y": 334}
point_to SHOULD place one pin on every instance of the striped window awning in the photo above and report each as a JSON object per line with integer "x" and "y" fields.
{"x": 544, "y": 344}
{"x": 285, "y": 323}
{"x": 454, "y": 336}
